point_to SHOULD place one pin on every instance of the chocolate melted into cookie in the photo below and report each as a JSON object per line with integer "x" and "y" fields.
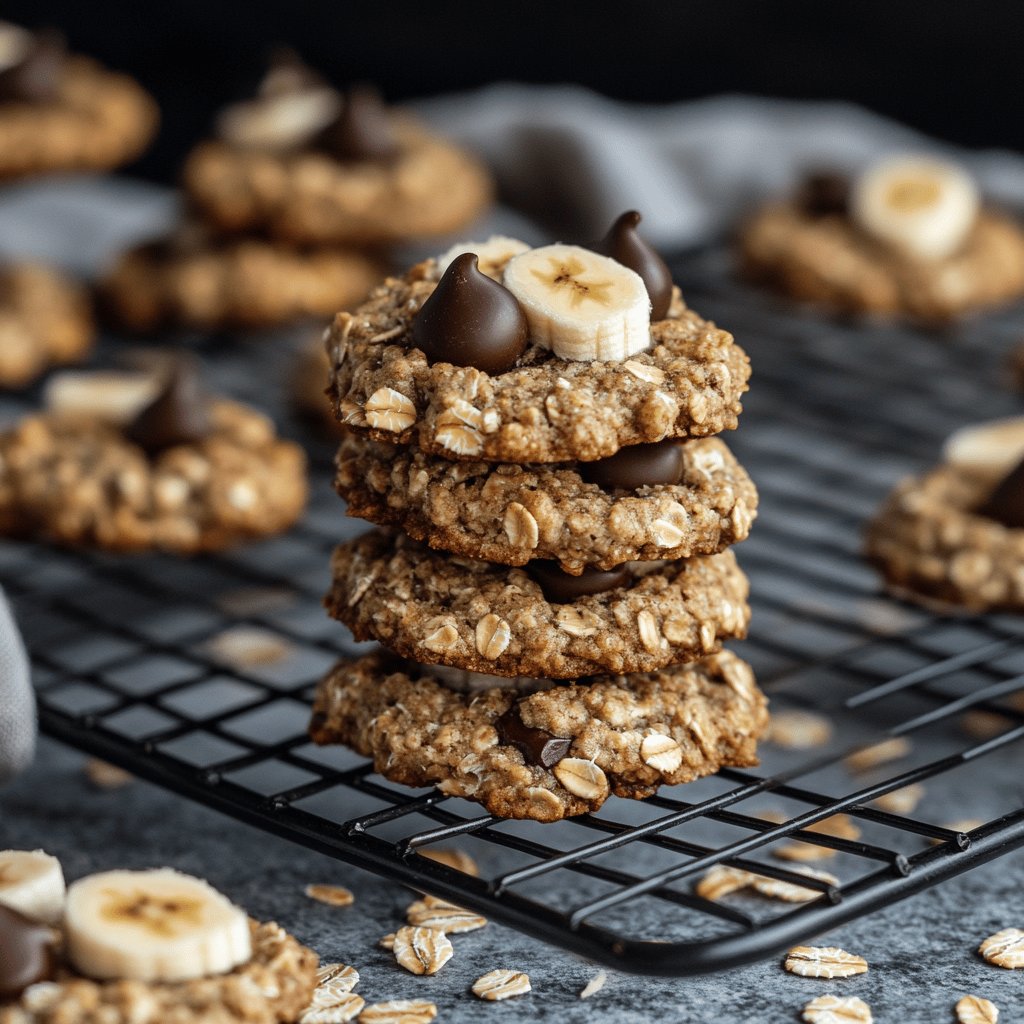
{"x": 36, "y": 78}
{"x": 26, "y": 953}
{"x": 471, "y": 320}
{"x": 1006, "y": 503}
{"x": 180, "y": 413}
{"x": 638, "y": 465}
{"x": 538, "y": 746}
{"x": 624, "y": 245}
{"x": 561, "y": 588}
{"x": 362, "y": 130}
{"x": 823, "y": 193}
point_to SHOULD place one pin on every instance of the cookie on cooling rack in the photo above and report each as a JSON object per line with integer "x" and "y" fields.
{"x": 668, "y": 500}
{"x": 62, "y": 112}
{"x": 539, "y": 621}
{"x": 908, "y": 237}
{"x": 542, "y": 751}
{"x": 306, "y": 163}
{"x": 142, "y": 947}
{"x": 45, "y": 320}
{"x": 147, "y": 461}
{"x": 956, "y": 534}
{"x": 195, "y": 279}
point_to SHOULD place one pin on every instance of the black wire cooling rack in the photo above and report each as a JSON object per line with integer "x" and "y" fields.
{"x": 136, "y": 662}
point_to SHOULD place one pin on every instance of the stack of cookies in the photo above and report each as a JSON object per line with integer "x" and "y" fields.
{"x": 534, "y": 431}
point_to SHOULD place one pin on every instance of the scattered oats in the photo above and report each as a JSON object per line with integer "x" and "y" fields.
{"x": 399, "y": 1011}
{"x": 582, "y": 778}
{"x": 644, "y": 372}
{"x": 595, "y": 985}
{"x": 501, "y": 984}
{"x": 334, "y": 972}
{"x": 106, "y": 776}
{"x": 975, "y": 1010}
{"x": 722, "y": 880}
{"x": 460, "y": 411}
{"x": 544, "y": 800}
{"x": 661, "y": 753}
{"x": 387, "y": 941}
{"x": 1004, "y": 949}
{"x": 901, "y": 801}
{"x": 457, "y": 859}
{"x": 799, "y": 730}
{"x": 332, "y": 895}
{"x": 824, "y": 962}
{"x": 345, "y": 1009}
{"x": 870, "y": 757}
{"x": 837, "y": 1010}
{"x": 388, "y": 409}
{"x": 776, "y": 889}
{"x": 521, "y": 527}
{"x": 492, "y": 636}
{"x": 442, "y": 639}
{"x": 666, "y": 534}
{"x": 577, "y": 621}
{"x": 245, "y": 647}
{"x": 841, "y": 826}
{"x": 647, "y": 626}
{"x": 363, "y": 584}
{"x": 458, "y": 438}
{"x": 431, "y": 912}
{"x": 254, "y": 600}
{"x": 422, "y": 950}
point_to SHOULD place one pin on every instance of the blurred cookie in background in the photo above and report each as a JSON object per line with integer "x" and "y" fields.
{"x": 64, "y": 112}
{"x": 909, "y": 237}
{"x": 45, "y": 320}
{"x": 311, "y": 376}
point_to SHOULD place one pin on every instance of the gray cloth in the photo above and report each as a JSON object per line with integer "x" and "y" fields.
{"x": 17, "y": 706}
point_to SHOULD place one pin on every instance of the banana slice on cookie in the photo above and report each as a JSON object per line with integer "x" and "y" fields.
{"x": 279, "y": 121}
{"x": 579, "y": 304}
{"x": 920, "y": 205}
{"x": 15, "y": 44}
{"x": 989, "y": 449}
{"x": 492, "y": 255}
{"x": 32, "y": 883}
{"x": 157, "y": 925}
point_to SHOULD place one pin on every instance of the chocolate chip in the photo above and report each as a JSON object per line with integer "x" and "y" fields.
{"x": 638, "y": 465}
{"x": 561, "y": 588}
{"x": 471, "y": 320}
{"x": 26, "y": 953}
{"x": 1006, "y": 503}
{"x": 537, "y": 746}
{"x": 823, "y": 193}
{"x": 362, "y": 130}
{"x": 624, "y": 244}
{"x": 36, "y": 78}
{"x": 180, "y": 413}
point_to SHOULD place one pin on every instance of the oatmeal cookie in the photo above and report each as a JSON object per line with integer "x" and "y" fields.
{"x": 550, "y": 754}
{"x": 512, "y": 514}
{"x": 309, "y": 378}
{"x": 829, "y": 260}
{"x": 195, "y": 280}
{"x": 930, "y": 538}
{"x": 446, "y": 610}
{"x": 547, "y": 409}
{"x": 275, "y": 986}
{"x": 45, "y": 320}
{"x": 77, "y": 479}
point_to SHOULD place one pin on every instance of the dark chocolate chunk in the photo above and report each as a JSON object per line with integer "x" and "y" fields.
{"x": 560, "y": 587}
{"x": 362, "y": 130}
{"x": 471, "y": 320}
{"x": 624, "y": 244}
{"x": 180, "y": 413}
{"x": 638, "y": 465}
{"x": 1006, "y": 503}
{"x": 537, "y": 746}
{"x": 26, "y": 953}
{"x": 824, "y": 193}
{"x": 36, "y": 78}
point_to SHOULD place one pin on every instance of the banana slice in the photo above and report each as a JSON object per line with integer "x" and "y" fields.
{"x": 156, "y": 925}
{"x": 110, "y": 395}
{"x": 492, "y": 255}
{"x": 279, "y": 121}
{"x": 15, "y": 43}
{"x": 580, "y": 304}
{"x": 921, "y": 205}
{"x": 987, "y": 449}
{"x": 32, "y": 883}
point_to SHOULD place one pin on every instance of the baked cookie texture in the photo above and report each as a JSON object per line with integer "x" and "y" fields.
{"x": 198, "y": 281}
{"x": 688, "y": 384}
{"x": 98, "y": 120}
{"x": 437, "y": 609}
{"x": 45, "y": 320}
{"x": 829, "y": 260}
{"x": 77, "y": 480}
{"x": 927, "y": 539}
{"x": 637, "y": 733}
{"x": 275, "y": 986}
{"x": 511, "y": 514}
{"x": 307, "y": 196}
